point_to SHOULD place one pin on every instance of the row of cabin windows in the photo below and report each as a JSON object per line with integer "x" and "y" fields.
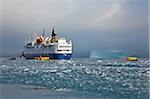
{"x": 39, "y": 46}
{"x": 46, "y": 46}
{"x": 63, "y": 50}
{"x": 64, "y": 46}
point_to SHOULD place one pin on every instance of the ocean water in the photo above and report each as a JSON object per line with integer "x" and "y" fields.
{"x": 74, "y": 79}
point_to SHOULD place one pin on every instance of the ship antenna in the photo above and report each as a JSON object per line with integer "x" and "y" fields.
{"x": 43, "y": 33}
{"x": 26, "y": 37}
{"x": 29, "y": 36}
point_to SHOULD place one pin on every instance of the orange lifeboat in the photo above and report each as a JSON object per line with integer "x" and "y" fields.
{"x": 39, "y": 40}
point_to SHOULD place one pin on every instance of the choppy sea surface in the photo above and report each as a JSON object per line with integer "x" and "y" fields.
{"x": 74, "y": 79}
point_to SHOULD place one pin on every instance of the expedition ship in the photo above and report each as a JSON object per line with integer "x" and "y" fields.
{"x": 50, "y": 47}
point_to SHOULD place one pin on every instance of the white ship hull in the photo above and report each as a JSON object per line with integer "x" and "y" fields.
{"x": 48, "y": 47}
{"x": 56, "y": 51}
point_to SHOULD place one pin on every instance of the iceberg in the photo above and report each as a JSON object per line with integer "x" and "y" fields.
{"x": 113, "y": 54}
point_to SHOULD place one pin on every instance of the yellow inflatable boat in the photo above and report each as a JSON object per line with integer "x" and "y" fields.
{"x": 132, "y": 59}
{"x": 41, "y": 58}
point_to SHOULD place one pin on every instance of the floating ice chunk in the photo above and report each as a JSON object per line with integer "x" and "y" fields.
{"x": 87, "y": 71}
{"x": 34, "y": 71}
{"x": 103, "y": 74}
{"x": 99, "y": 61}
{"x": 67, "y": 71}
{"x": 3, "y": 66}
{"x": 26, "y": 69}
{"x": 74, "y": 64}
{"x": 63, "y": 90}
{"x": 60, "y": 74}
{"x": 53, "y": 71}
{"x": 69, "y": 61}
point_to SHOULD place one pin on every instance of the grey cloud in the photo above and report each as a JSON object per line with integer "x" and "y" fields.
{"x": 91, "y": 24}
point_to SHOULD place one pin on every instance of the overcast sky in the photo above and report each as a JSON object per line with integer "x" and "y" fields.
{"x": 92, "y": 25}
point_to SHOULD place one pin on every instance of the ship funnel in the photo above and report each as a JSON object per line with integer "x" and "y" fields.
{"x": 53, "y": 33}
{"x": 53, "y": 38}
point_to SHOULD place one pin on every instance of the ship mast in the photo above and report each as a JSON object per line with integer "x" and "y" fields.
{"x": 43, "y": 33}
{"x": 28, "y": 36}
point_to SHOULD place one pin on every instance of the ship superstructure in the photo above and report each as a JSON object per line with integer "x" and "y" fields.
{"x": 51, "y": 47}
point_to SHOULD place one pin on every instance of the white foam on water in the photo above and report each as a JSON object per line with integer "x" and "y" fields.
{"x": 108, "y": 76}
